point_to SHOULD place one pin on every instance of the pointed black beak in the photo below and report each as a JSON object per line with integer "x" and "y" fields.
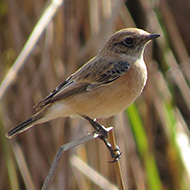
{"x": 153, "y": 36}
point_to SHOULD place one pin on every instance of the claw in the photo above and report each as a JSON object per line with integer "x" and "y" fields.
{"x": 118, "y": 156}
{"x": 114, "y": 155}
{"x": 104, "y": 134}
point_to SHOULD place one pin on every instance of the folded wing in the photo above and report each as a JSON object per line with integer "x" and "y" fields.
{"x": 91, "y": 76}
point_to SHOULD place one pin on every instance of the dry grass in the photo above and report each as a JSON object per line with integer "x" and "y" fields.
{"x": 153, "y": 133}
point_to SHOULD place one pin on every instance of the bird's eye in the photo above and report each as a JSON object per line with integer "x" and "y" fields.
{"x": 129, "y": 41}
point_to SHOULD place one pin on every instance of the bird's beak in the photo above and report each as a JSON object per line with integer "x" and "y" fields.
{"x": 153, "y": 36}
{"x": 150, "y": 37}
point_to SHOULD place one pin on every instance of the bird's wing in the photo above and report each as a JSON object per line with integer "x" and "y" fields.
{"x": 60, "y": 89}
{"x": 91, "y": 76}
{"x": 117, "y": 69}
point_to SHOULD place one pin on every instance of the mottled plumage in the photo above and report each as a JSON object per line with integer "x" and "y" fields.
{"x": 103, "y": 87}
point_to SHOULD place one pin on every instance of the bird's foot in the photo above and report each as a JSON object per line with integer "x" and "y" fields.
{"x": 115, "y": 153}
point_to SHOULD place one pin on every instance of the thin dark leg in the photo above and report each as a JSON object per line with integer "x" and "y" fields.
{"x": 115, "y": 153}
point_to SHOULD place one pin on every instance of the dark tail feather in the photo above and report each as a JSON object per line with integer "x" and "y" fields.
{"x": 21, "y": 127}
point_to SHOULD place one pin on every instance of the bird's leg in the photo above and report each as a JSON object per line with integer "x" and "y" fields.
{"x": 115, "y": 153}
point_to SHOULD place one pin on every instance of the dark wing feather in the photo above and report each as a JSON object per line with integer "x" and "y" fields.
{"x": 53, "y": 93}
{"x": 118, "y": 69}
{"x": 75, "y": 89}
{"x": 76, "y": 84}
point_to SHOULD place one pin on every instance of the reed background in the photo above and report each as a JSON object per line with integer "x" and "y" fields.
{"x": 153, "y": 134}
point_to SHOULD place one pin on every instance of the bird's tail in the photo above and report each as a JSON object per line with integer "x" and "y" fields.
{"x": 33, "y": 120}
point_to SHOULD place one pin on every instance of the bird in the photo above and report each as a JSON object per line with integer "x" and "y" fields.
{"x": 104, "y": 86}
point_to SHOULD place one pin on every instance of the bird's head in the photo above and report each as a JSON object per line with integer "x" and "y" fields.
{"x": 128, "y": 42}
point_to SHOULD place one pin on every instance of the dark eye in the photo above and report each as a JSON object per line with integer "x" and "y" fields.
{"x": 129, "y": 41}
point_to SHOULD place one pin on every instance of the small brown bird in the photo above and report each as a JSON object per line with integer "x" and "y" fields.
{"x": 103, "y": 87}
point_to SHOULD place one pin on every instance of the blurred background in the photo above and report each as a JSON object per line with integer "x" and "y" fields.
{"x": 153, "y": 133}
